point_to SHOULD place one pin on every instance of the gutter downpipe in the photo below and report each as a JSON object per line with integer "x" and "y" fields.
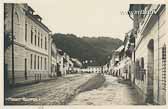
{"x": 12, "y": 25}
{"x": 158, "y": 57}
{"x": 134, "y": 36}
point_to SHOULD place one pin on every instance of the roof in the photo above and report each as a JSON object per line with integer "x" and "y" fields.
{"x": 59, "y": 51}
{"x": 34, "y": 17}
{"x": 30, "y": 8}
{"x": 76, "y": 62}
{"x": 120, "y": 48}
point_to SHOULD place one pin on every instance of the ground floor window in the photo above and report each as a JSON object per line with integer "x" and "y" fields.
{"x": 31, "y": 61}
{"x": 45, "y": 63}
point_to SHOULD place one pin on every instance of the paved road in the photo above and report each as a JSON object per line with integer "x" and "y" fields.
{"x": 54, "y": 92}
{"x": 111, "y": 92}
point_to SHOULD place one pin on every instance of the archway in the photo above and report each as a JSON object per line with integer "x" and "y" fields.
{"x": 150, "y": 69}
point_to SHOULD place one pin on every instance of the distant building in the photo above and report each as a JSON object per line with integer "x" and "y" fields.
{"x": 31, "y": 45}
{"x": 77, "y": 65}
{"x": 65, "y": 64}
{"x": 53, "y": 60}
{"x": 94, "y": 69}
{"x": 116, "y": 58}
{"x": 59, "y": 60}
{"x": 71, "y": 66}
{"x": 105, "y": 69}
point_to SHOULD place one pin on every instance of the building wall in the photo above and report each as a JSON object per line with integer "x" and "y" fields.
{"x": 163, "y": 41}
{"x": 54, "y": 67}
{"x": 24, "y": 50}
{"x": 158, "y": 34}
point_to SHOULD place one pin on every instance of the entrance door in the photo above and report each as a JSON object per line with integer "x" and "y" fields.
{"x": 150, "y": 71}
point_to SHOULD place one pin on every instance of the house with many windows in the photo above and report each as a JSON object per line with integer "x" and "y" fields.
{"x": 31, "y": 45}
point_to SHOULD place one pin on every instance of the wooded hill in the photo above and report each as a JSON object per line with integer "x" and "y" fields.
{"x": 87, "y": 48}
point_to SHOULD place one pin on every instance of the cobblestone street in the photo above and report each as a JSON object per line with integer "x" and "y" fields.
{"x": 52, "y": 92}
{"x": 112, "y": 92}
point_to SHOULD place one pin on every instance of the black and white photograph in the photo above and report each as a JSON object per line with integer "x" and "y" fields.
{"x": 84, "y": 52}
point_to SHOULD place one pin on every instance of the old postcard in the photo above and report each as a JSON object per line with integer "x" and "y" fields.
{"x": 77, "y": 53}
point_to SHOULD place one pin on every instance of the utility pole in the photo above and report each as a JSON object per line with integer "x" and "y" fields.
{"x": 12, "y": 21}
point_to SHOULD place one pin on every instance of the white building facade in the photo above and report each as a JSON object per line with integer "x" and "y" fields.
{"x": 151, "y": 52}
{"x": 31, "y": 45}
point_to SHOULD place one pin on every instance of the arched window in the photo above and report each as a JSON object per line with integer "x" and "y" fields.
{"x": 16, "y": 25}
{"x": 164, "y": 67}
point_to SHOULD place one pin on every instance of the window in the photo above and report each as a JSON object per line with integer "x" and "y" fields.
{"x": 41, "y": 42}
{"x": 35, "y": 39}
{"x": 34, "y": 61}
{"x": 45, "y": 43}
{"x": 41, "y": 63}
{"x": 164, "y": 67}
{"x": 25, "y": 31}
{"x": 45, "y": 63}
{"x": 32, "y": 36}
{"x": 31, "y": 61}
{"x": 137, "y": 73}
{"x": 142, "y": 71}
{"x": 38, "y": 63}
{"x": 38, "y": 39}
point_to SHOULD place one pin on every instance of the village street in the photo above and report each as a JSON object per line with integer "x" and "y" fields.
{"x": 58, "y": 91}
{"x": 62, "y": 91}
{"x": 112, "y": 92}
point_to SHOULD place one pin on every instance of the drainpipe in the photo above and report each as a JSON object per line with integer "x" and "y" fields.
{"x": 158, "y": 17}
{"x": 49, "y": 54}
{"x": 12, "y": 25}
{"x": 134, "y": 36}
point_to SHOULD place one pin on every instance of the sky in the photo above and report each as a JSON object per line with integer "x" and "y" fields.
{"x": 91, "y": 18}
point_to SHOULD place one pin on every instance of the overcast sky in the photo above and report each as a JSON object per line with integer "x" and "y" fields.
{"x": 85, "y": 17}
